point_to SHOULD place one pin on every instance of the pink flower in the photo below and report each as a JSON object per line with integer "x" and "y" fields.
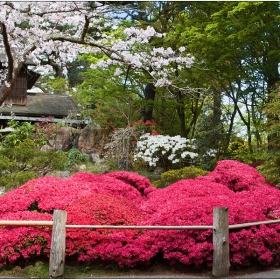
{"x": 126, "y": 198}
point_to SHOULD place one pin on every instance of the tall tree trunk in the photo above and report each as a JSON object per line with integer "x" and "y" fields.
{"x": 231, "y": 124}
{"x": 217, "y": 112}
{"x": 181, "y": 114}
{"x": 147, "y": 110}
{"x": 272, "y": 77}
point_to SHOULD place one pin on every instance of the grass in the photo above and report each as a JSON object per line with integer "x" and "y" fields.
{"x": 40, "y": 270}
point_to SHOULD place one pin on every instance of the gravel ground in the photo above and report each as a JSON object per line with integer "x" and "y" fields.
{"x": 160, "y": 271}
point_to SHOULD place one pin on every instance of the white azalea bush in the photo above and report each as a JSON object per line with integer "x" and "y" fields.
{"x": 165, "y": 151}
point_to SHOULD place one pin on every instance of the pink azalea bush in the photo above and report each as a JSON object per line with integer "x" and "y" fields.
{"x": 106, "y": 244}
{"x": 125, "y": 198}
{"x": 24, "y": 242}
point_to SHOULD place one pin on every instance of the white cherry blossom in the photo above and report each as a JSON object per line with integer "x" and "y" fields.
{"x": 40, "y": 30}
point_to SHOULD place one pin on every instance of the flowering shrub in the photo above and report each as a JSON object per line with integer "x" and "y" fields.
{"x": 99, "y": 209}
{"x": 237, "y": 176}
{"x": 141, "y": 183}
{"x": 16, "y": 242}
{"x": 123, "y": 141}
{"x": 163, "y": 151}
{"x": 80, "y": 193}
{"x": 142, "y": 127}
{"x": 191, "y": 202}
{"x": 124, "y": 198}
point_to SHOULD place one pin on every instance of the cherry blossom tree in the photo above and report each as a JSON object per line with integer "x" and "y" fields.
{"x": 59, "y": 31}
{"x": 44, "y": 31}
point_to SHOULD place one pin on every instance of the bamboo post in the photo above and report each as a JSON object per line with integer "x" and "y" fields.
{"x": 57, "y": 254}
{"x": 221, "y": 263}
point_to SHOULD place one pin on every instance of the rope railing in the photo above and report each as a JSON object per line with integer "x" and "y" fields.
{"x": 50, "y": 223}
{"x": 220, "y": 227}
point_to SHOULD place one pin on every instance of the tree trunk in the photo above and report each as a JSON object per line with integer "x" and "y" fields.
{"x": 272, "y": 77}
{"x": 217, "y": 112}
{"x": 147, "y": 110}
{"x": 181, "y": 115}
{"x": 6, "y": 90}
{"x": 231, "y": 124}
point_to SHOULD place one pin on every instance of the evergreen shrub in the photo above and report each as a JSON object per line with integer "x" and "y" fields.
{"x": 270, "y": 168}
{"x": 24, "y": 162}
{"x": 74, "y": 156}
{"x": 17, "y": 178}
{"x": 172, "y": 176}
{"x": 239, "y": 150}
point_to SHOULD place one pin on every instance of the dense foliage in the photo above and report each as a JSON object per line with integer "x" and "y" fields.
{"x": 22, "y": 158}
{"x": 24, "y": 161}
{"x": 174, "y": 50}
{"x": 124, "y": 198}
{"x": 172, "y": 176}
{"x": 40, "y": 133}
{"x": 157, "y": 60}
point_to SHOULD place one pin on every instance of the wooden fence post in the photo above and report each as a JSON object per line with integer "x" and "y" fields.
{"x": 57, "y": 254}
{"x": 221, "y": 263}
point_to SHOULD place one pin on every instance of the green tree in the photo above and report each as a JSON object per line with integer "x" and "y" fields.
{"x": 105, "y": 98}
{"x": 237, "y": 44}
{"x": 185, "y": 98}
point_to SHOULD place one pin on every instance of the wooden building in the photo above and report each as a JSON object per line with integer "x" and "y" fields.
{"x": 40, "y": 106}
{"x": 33, "y": 107}
{"x": 26, "y": 80}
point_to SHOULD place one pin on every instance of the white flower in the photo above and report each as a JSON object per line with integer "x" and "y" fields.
{"x": 171, "y": 157}
{"x": 153, "y": 148}
{"x": 118, "y": 72}
{"x": 181, "y": 49}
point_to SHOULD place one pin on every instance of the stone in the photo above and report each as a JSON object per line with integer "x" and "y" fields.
{"x": 82, "y": 167}
{"x": 95, "y": 158}
{"x": 63, "y": 139}
{"x": 2, "y": 190}
{"x": 46, "y": 148}
{"x": 86, "y": 141}
{"x": 154, "y": 177}
{"x": 105, "y": 169}
{"x": 51, "y": 143}
{"x": 158, "y": 171}
{"x": 62, "y": 174}
{"x": 92, "y": 139}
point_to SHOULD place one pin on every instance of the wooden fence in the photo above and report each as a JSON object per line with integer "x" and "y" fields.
{"x": 220, "y": 227}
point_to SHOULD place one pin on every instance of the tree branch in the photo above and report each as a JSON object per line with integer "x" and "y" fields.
{"x": 85, "y": 30}
{"x": 106, "y": 50}
{"x": 8, "y": 52}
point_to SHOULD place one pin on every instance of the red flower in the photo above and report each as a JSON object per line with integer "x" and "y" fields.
{"x": 154, "y": 132}
{"x": 126, "y": 198}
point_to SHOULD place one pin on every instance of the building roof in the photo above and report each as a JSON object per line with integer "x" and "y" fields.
{"x": 42, "y": 105}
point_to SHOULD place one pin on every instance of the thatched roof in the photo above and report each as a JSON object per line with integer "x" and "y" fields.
{"x": 43, "y": 105}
